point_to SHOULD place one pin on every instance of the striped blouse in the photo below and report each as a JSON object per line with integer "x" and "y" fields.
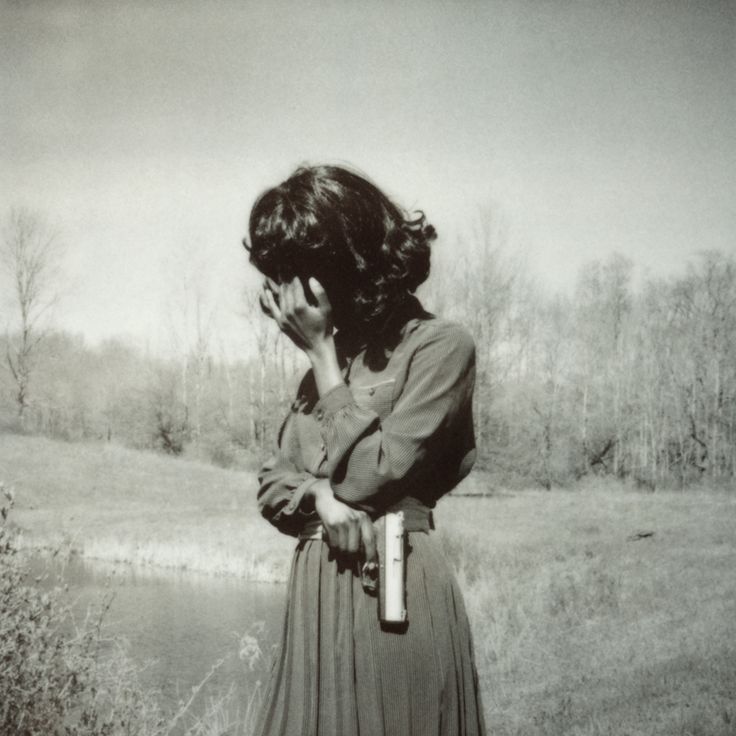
{"x": 400, "y": 426}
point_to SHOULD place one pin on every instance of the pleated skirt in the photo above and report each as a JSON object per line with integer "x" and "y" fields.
{"x": 338, "y": 672}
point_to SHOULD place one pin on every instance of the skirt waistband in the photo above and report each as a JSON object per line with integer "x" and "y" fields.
{"x": 417, "y": 518}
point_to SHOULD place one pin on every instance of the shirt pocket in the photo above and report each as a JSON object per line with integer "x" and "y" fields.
{"x": 377, "y": 397}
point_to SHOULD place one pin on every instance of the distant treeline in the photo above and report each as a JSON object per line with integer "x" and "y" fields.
{"x": 639, "y": 384}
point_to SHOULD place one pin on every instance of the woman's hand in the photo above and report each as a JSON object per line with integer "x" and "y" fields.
{"x": 307, "y": 323}
{"x": 348, "y": 530}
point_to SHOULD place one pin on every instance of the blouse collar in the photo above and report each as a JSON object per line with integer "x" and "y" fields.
{"x": 402, "y": 320}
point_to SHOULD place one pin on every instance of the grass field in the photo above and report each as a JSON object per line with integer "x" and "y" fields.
{"x": 582, "y": 625}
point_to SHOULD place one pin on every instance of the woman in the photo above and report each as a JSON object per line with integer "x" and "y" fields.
{"x": 382, "y": 422}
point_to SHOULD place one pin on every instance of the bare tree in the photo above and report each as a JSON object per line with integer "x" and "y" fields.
{"x": 191, "y": 322}
{"x": 30, "y": 256}
{"x": 474, "y": 281}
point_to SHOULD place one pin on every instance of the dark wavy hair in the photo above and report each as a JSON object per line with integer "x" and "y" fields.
{"x": 333, "y": 224}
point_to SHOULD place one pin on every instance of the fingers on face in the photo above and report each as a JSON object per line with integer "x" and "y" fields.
{"x": 272, "y": 307}
{"x": 315, "y": 287}
{"x": 319, "y": 293}
{"x": 292, "y": 298}
{"x": 263, "y": 301}
{"x": 283, "y": 300}
{"x": 298, "y": 295}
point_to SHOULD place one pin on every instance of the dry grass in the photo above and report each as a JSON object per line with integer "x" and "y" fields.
{"x": 582, "y": 629}
{"x": 579, "y": 628}
{"x": 118, "y": 505}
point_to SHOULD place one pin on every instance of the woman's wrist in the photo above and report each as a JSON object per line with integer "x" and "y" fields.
{"x": 325, "y": 366}
{"x": 321, "y": 496}
{"x": 320, "y": 489}
{"x": 322, "y": 350}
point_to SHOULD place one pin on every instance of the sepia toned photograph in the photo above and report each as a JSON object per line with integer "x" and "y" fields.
{"x": 368, "y": 368}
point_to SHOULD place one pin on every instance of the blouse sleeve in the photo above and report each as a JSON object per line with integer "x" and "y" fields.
{"x": 367, "y": 457}
{"x": 280, "y": 491}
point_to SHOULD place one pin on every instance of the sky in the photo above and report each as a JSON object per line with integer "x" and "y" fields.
{"x": 143, "y": 132}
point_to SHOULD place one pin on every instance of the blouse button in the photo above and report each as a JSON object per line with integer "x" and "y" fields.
{"x": 371, "y": 391}
{"x": 320, "y": 414}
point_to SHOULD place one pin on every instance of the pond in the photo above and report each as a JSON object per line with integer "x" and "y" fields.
{"x": 178, "y": 625}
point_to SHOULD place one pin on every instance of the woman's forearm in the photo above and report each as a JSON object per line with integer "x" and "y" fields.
{"x": 325, "y": 366}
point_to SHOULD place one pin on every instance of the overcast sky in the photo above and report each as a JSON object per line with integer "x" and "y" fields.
{"x": 145, "y": 130}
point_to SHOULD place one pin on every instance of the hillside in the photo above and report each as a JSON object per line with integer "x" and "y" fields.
{"x": 598, "y": 611}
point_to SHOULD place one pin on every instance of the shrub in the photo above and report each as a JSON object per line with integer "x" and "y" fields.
{"x": 54, "y": 677}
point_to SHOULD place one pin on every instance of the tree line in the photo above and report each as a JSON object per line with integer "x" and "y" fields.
{"x": 636, "y": 383}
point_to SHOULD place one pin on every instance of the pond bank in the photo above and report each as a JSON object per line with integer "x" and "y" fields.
{"x": 179, "y": 630}
{"x": 166, "y": 557}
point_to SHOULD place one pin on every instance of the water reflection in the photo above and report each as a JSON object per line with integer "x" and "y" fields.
{"x": 178, "y": 625}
